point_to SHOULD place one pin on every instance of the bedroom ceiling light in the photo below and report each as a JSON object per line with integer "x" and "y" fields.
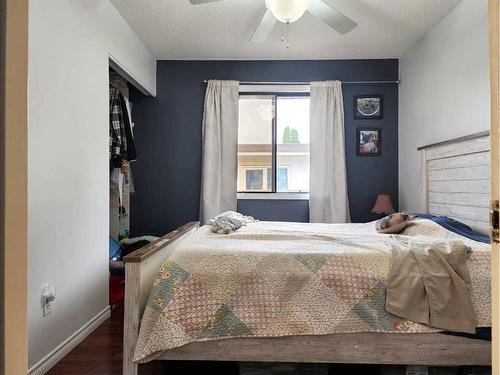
{"x": 287, "y": 11}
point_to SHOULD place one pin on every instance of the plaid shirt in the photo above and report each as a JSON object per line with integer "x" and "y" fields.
{"x": 117, "y": 135}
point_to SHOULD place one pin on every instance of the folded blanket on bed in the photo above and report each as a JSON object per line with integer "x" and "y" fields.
{"x": 229, "y": 221}
{"x": 429, "y": 283}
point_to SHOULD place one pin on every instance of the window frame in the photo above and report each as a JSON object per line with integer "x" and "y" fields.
{"x": 274, "y": 147}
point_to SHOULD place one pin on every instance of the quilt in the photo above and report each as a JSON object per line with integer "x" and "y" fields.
{"x": 271, "y": 279}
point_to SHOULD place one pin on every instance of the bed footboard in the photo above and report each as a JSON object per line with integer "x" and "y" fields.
{"x": 140, "y": 268}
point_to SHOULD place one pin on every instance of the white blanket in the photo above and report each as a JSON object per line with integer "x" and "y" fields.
{"x": 229, "y": 221}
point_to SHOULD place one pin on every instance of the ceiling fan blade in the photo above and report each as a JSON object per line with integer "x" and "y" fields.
{"x": 197, "y": 2}
{"x": 332, "y": 17}
{"x": 264, "y": 28}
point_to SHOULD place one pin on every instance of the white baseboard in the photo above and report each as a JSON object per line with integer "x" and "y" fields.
{"x": 46, "y": 363}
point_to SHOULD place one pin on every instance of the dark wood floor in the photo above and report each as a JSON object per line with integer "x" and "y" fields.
{"x": 101, "y": 354}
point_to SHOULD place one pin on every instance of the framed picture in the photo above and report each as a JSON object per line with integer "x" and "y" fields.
{"x": 369, "y": 141}
{"x": 368, "y": 107}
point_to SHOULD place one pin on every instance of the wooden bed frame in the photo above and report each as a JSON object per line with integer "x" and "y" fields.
{"x": 434, "y": 349}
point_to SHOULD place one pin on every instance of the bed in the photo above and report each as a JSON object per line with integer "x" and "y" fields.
{"x": 175, "y": 283}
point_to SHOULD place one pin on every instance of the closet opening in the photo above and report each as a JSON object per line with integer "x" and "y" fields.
{"x": 122, "y": 155}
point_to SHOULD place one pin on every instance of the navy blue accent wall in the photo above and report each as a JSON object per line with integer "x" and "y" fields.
{"x": 275, "y": 209}
{"x": 168, "y": 138}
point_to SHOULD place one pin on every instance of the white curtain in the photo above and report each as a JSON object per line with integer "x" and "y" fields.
{"x": 328, "y": 202}
{"x": 219, "y": 149}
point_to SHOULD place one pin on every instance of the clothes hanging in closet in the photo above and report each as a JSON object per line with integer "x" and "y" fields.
{"x": 121, "y": 141}
{"x": 131, "y": 153}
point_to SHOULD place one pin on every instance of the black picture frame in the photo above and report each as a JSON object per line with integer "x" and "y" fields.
{"x": 360, "y": 145}
{"x": 359, "y": 115}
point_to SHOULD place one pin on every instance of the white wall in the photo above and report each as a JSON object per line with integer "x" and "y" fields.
{"x": 444, "y": 90}
{"x": 68, "y": 191}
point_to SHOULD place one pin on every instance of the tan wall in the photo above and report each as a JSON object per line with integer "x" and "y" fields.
{"x": 14, "y": 184}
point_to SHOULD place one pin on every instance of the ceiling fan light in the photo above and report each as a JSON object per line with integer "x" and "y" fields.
{"x": 287, "y": 11}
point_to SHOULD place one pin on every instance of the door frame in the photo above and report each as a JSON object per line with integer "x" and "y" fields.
{"x": 494, "y": 32}
{"x": 13, "y": 186}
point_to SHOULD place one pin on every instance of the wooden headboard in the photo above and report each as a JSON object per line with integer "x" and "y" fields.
{"x": 455, "y": 179}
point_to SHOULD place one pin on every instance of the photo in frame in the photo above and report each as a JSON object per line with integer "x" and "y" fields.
{"x": 368, "y": 107}
{"x": 369, "y": 141}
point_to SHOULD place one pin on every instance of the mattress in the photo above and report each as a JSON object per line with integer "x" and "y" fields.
{"x": 273, "y": 279}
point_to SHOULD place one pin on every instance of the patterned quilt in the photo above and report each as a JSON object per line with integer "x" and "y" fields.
{"x": 272, "y": 279}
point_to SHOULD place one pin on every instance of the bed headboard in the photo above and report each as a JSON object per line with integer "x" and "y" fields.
{"x": 455, "y": 179}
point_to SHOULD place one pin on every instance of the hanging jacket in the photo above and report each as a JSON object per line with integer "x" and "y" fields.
{"x": 131, "y": 153}
{"x": 117, "y": 134}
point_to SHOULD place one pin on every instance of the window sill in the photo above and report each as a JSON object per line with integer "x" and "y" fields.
{"x": 274, "y": 196}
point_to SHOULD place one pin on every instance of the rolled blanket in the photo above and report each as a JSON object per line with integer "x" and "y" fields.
{"x": 229, "y": 221}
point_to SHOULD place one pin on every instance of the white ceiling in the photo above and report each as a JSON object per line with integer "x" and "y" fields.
{"x": 177, "y": 30}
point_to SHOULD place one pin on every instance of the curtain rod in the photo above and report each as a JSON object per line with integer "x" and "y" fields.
{"x": 308, "y": 83}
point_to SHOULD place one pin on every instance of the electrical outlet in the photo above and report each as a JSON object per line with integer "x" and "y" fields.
{"x": 47, "y": 309}
{"x": 48, "y": 296}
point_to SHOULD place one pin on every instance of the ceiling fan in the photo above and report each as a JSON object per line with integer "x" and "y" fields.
{"x": 289, "y": 11}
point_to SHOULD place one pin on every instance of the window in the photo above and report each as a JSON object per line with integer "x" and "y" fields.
{"x": 273, "y": 143}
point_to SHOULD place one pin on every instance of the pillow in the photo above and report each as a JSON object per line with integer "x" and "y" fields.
{"x": 393, "y": 223}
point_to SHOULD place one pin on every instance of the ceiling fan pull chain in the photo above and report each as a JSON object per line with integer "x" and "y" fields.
{"x": 287, "y": 26}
